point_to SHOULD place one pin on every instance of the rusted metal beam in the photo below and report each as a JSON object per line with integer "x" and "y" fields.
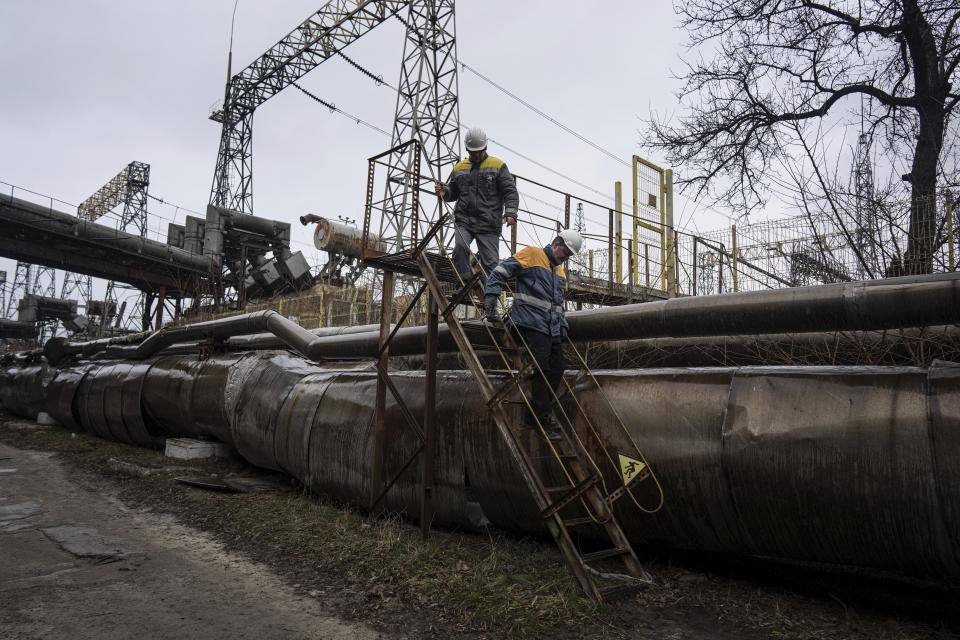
{"x": 380, "y": 409}
{"x": 429, "y": 421}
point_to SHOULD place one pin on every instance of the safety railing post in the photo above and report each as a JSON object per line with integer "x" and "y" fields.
{"x": 610, "y": 251}
{"x": 646, "y": 264}
{"x": 666, "y": 208}
{"x": 617, "y": 226}
{"x": 636, "y": 215}
{"x": 693, "y": 285}
{"x": 734, "y": 271}
{"x": 950, "y": 231}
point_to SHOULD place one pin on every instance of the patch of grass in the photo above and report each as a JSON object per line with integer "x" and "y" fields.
{"x": 472, "y": 583}
{"x": 521, "y": 588}
{"x": 381, "y": 570}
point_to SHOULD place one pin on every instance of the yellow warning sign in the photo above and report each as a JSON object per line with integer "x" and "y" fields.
{"x": 632, "y": 469}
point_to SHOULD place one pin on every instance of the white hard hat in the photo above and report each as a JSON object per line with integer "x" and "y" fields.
{"x": 476, "y": 140}
{"x": 572, "y": 239}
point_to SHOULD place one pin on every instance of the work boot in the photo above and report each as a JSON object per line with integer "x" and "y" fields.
{"x": 551, "y": 428}
{"x": 548, "y": 423}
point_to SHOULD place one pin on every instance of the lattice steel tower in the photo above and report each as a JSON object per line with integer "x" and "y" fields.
{"x": 130, "y": 188}
{"x": 866, "y": 234}
{"x": 426, "y": 110}
{"x": 326, "y": 31}
{"x": 30, "y": 279}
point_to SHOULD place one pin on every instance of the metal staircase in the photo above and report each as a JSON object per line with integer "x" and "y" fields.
{"x": 580, "y": 499}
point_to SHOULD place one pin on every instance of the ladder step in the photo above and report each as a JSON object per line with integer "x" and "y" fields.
{"x": 485, "y": 331}
{"x": 503, "y": 390}
{"x": 576, "y": 522}
{"x": 610, "y": 594}
{"x": 572, "y": 493}
{"x": 509, "y": 385}
{"x": 606, "y": 553}
{"x": 561, "y": 456}
{"x": 462, "y": 296}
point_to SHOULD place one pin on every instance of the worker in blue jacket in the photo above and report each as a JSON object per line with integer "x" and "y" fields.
{"x": 538, "y": 314}
{"x": 486, "y": 196}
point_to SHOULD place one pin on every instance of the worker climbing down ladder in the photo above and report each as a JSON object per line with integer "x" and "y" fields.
{"x": 538, "y": 316}
{"x": 562, "y": 471}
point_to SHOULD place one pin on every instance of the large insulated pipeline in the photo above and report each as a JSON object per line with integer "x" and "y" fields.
{"x": 292, "y": 334}
{"x": 34, "y": 215}
{"x": 913, "y": 301}
{"x": 910, "y": 301}
{"x": 852, "y": 465}
{"x": 57, "y": 350}
{"x": 907, "y": 346}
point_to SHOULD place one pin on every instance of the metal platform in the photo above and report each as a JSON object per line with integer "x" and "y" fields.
{"x": 580, "y": 289}
{"x": 404, "y": 262}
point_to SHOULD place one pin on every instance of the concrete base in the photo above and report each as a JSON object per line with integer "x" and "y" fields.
{"x": 46, "y": 419}
{"x": 189, "y": 449}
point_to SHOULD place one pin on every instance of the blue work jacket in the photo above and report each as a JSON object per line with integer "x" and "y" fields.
{"x": 539, "y": 293}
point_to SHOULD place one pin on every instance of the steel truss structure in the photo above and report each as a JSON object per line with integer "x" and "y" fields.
{"x": 320, "y": 36}
{"x": 427, "y": 111}
{"x": 30, "y": 279}
{"x": 130, "y": 188}
{"x": 866, "y": 233}
{"x": 79, "y": 286}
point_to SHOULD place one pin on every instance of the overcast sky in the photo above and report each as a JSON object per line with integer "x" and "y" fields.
{"x": 90, "y": 86}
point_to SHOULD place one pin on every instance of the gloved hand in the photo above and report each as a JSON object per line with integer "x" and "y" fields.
{"x": 490, "y": 309}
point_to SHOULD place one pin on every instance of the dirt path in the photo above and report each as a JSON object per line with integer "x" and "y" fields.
{"x": 75, "y": 563}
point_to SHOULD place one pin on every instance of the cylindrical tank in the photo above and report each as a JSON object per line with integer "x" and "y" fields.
{"x": 336, "y": 237}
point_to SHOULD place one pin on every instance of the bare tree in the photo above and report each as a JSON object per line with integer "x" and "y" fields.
{"x": 766, "y": 64}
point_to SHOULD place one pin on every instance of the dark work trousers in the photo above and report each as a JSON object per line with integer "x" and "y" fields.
{"x": 488, "y": 246}
{"x": 548, "y": 352}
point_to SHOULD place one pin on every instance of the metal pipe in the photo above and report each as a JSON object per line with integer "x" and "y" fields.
{"x": 339, "y": 238}
{"x": 292, "y": 334}
{"x": 909, "y": 301}
{"x": 17, "y": 211}
{"x": 905, "y": 347}
{"x": 219, "y": 220}
{"x": 58, "y": 350}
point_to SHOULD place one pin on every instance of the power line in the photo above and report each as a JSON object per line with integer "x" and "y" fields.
{"x": 373, "y": 76}
{"x": 540, "y": 113}
{"x": 333, "y": 107}
{"x": 378, "y": 78}
{"x": 569, "y": 130}
{"x": 551, "y": 170}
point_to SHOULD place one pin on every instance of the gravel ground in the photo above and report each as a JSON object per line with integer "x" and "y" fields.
{"x": 80, "y": 564}
{"x": 104, "y": 543}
